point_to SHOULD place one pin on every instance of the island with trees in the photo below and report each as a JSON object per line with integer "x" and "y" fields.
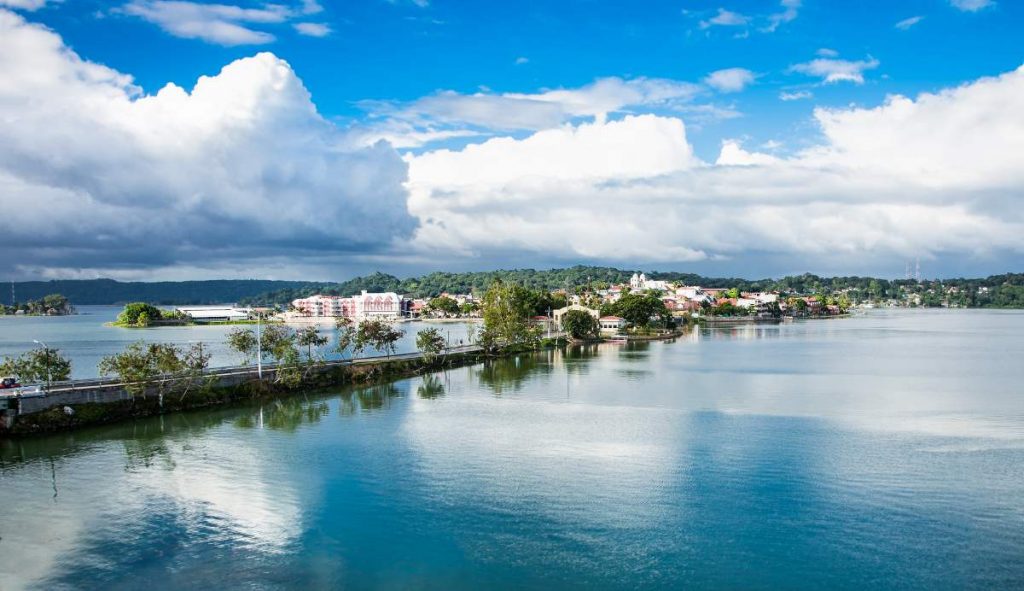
{"x": 53, "y": 304}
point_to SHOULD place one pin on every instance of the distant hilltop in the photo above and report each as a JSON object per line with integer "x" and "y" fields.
{"x": 1006, "y": 291}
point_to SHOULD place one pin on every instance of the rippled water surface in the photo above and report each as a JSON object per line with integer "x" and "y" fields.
{"x": 884, "y": 451}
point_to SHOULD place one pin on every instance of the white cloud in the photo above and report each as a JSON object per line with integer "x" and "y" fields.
{"x": 313, "y": 29}
{"x": 486, "y": 112}
{"x": 96, "y": 173}
{"x": 936, "y": 174}
{"x": 790, "y": 9}
{"x": 522, "y": 60}
{"x": 730, "y": 80}
{"x": 826, "y": 52}
{"x": 906, "y": 23}
{"x": 798, "y": 95}
{"x": 971, "y": 5}
{"x": 836, "y": 70}
{"x": 224, "y": 24}
{"x": 725, "y": 18}
{"x": 24, "y": 4}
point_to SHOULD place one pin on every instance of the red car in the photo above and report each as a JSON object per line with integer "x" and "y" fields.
{"x": 6, "y": 383}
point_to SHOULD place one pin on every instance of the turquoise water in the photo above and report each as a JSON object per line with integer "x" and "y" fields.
{"x": 85, "y": 340}
{"x": 882, "y": 452}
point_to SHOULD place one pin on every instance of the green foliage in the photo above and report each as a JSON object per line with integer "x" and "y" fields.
{"x": 40, "y": 365}
{"x": 378, "y": 334}
{"x": 310, "y": 338}
{"x": 640, "y": 310}
{"x": 580, "y": 324}
{"x": 430, "y": 342}
{"x": 346, "y": 335}
{"x": 139, "y": 314}
{"x": 140, "y": 363}
{"x": 243, "y": 341}
{"x": 52, "y": 304}
{"x": 507, "y": 308}
{"x": 443, "y": 305}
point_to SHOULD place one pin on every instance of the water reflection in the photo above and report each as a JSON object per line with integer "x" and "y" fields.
{"x": 431, "y": 388}
{"x": 726, "y": 463}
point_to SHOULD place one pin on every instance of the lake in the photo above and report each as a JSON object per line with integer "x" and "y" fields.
{"x": 883, "y": 451}
{"x": 85, "y": 339}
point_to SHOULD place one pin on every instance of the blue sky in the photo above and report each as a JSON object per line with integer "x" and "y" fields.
{"x": 402, "y": 51}
{"x": 462, "y": 71}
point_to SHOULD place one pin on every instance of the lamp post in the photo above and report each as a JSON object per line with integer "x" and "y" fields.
{"x": 259, "y": 347}
{"x": 46, "y": 349}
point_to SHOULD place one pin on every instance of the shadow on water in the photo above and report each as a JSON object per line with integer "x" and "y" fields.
{"x": 284, "y": 415}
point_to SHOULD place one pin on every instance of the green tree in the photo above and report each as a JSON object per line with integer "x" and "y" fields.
{"x": 309, "y": 337}
{"x": 243, "y": 341}
{"x": 346, "y": 335}
{"x": 378, "y": 334}
{"x": 44, "y": 364}
{"x": 639, "y": 309}
{"x": 140, "y": 365}
{"x": 506, "y": 312}
{"x": 430, "y": 342}
{"x": 444, "y": 305}
{"x": 138, "y": 314}
{"x": 580, "y": 324}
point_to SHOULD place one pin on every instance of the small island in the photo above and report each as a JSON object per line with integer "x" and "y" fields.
{"x": 54, "y": 304}
{"x": 145, "y": 315}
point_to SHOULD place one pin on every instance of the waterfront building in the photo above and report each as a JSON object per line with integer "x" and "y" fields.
{"x": 365, "y": 305}
{"x": 215, "y": 313}
{"x": 611, "y": 325}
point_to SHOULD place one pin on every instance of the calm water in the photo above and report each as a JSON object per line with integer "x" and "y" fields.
{"x": 882, "y": 452}
{"x": 84, "y": 339}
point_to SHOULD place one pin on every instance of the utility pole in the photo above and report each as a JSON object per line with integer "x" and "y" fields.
{"x": 917, "y": 270}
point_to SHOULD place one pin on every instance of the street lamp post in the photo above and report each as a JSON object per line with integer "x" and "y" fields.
{"x": 259, "y": 347}
{"x": 49, "y": 375}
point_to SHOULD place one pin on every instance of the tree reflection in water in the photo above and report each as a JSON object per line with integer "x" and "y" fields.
{"x": 431, "y": 388}
{"x": 286, "y": 414}
{"x": 376, "y": 397}
{"x": 509, "y": 373}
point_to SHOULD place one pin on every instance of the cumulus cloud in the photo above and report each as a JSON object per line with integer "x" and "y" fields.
{"x": 94, "y": 172}
{"x": 906, "y": 23}
{"x": 836, "y": 70}
{"x": 765, "y": 23}
{"x": 912, "y": 177}
{"x": 730, "y": 79}
{"x": 223, "y": 24}
{"x": 971, "y": 5}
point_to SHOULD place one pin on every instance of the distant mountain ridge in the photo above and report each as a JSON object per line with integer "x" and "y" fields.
{"x": 86, "y": 292}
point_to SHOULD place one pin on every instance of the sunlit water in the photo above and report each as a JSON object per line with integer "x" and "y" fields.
{"x": 877, "y": 452}
{"x": 85, "y": 339}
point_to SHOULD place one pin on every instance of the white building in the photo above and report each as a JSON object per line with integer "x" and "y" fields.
{"x": 365, "y": 305}
{"x": 611, "y": 325}
{"x": 642, "y": 283}
{"x": 215, "y": 313}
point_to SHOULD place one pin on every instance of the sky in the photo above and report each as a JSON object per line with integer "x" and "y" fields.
{"x": 311, "y": 139}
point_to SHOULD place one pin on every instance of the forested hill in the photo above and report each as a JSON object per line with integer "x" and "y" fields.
{"x": 107, "y": 291}
{"x": 997, "y": 291}
{"x": 1004, "y": 291}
